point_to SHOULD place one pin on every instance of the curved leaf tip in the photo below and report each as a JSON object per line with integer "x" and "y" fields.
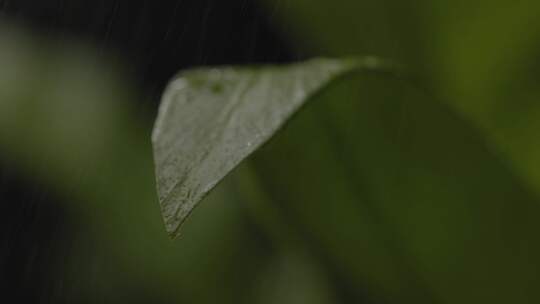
{"x": 210, "y": 119}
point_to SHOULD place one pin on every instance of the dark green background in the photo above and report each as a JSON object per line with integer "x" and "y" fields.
{"x": 419, "y": 190}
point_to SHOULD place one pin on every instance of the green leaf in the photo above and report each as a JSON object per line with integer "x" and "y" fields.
{"x": 400, "y": 195}
{"x": 212, "y": 119}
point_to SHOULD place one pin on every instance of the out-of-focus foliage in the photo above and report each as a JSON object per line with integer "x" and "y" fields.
{"x": 67, "y": 123}
{"x": 412, "y": 202}
{"x": 479, "y": 56}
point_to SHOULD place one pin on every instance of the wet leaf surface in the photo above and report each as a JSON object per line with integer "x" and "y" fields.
{"x": 212, "y": 119}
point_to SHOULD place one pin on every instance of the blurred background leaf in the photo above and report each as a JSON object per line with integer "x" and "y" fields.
{"x": 479, "y": 56}
{"x": 409, "y": 199}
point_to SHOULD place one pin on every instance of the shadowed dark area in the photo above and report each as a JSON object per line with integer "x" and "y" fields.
{"x": 34, "y": 240}
{"x": 158, "y": 38}
{"x": 155, "y": 39}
